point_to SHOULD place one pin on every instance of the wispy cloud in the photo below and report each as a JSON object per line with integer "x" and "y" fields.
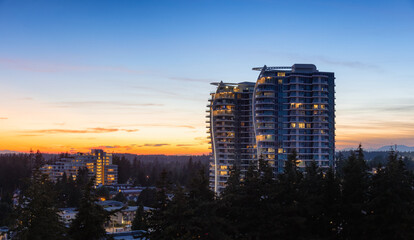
{"x": 187, "y": 79}
{"x": 108, "y": 147}
{"x": 156, "y": 144}
{"x": 130, "y": 130}
{"x": 150, "y": 145}
{"x": 48, "y": 67}
{"x": 3, "y": 118}
{"x": 26, "y": 99}
{"x": 186, "y": 145}
{"x": 324, "y": 59}
{"x": 157, "y": 125}
{"x": 349, "y": 64}
{"x": 201, "y": 140}
{"x": 157, "y": 90}
{"x": 106, "y": 104}
{"x": 77, "y": 131}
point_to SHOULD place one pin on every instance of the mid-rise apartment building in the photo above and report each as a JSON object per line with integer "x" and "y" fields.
{"x": 98, "y": 163}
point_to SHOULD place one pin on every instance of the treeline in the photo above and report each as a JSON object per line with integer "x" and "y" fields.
{"x": 351, "y": 204}
{"x": 146, "y": 173}
{"x": 13, "y": 169}
{"x": 37, "y": 214}
{"x": 374, "y": 158}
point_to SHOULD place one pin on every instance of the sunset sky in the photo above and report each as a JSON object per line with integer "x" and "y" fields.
{"x": 133, "y": 76}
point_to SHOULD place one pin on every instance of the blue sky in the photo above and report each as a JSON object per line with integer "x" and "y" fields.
{"x": 145, "y": 66}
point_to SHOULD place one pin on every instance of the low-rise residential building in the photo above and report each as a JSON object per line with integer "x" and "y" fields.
{"x": 3, "y": 233}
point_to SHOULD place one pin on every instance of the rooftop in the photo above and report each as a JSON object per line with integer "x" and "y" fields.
{"x": 297, "y": 67}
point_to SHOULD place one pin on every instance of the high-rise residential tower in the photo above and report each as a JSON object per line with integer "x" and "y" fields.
{"x": 231, "y": 130}
{"x": 292, "y": 108}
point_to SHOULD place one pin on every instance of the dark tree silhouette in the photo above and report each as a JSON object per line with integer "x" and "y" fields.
{"x": 90, "y": 219}
{"x": 37, "y": 213}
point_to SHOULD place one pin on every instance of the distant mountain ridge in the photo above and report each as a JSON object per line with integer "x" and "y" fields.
{"x": 400, "y": 148}
{"x": 386, "y": 148}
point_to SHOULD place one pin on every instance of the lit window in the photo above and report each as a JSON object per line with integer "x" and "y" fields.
{"x": 280, "y": 81}
{"x": 262, "y": 80}
{"x": 293, "y": 125}
{"x": 315, "y": 106}
{"x": 301, "y": 125}
{"x": 280, "y": 150}
{"x": 280, "y": 74}
{"x": 322, "y": 106}
{"x": 308, "y": 125}
{"x": 223, "y": 167}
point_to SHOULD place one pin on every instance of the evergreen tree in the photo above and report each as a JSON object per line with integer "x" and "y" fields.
{"x": 103, "y": 192}
{"x": 173, "y": 220}
{"x": 37, "y": 213}
{"x": 38, "y": 159}
{"x": 120, "y": 197}
{"x": 311, "y": 191}
{"x": 204, "y": 222}
{"x": 231, "y": 202}
{"x": 147, "y": 197}
{"x": 267, "y": 208}
{"x": 157, "y": 217}
{"x": 82, "y": 177}
{"x": 391, "y": 206}
{"x": 289, "y": 223}
{"x": 6, "y": 210}
{"x": 331, "y": 195}
{"x": 74, "y": 193}
{"x": 355, "y": 182}
{"x": 124, "y": 168}
{"x": 139, "y": 222}
{"x": 250, "y": 194}
{"x": 91, "y": 217}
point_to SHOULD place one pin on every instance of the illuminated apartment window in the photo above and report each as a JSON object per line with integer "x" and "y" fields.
{"x": 223, "y": 167}
{"x": 261, "y": 80}
{"x": 322, "y": 106}
{"x": 301, "y": 125}
{"x": 280, "y": 150}
{"x": 280, "y": 74}
{"x": 308, "y": 125}
{"x": 280, "y": 81}
{"x": 315, "y": 106}
{"x": 293, "y": 125}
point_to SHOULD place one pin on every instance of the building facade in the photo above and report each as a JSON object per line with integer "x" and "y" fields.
{"x": 98, "y": 163}
{"x": 231, "y": 130}
{"x": 292, "y": 108}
